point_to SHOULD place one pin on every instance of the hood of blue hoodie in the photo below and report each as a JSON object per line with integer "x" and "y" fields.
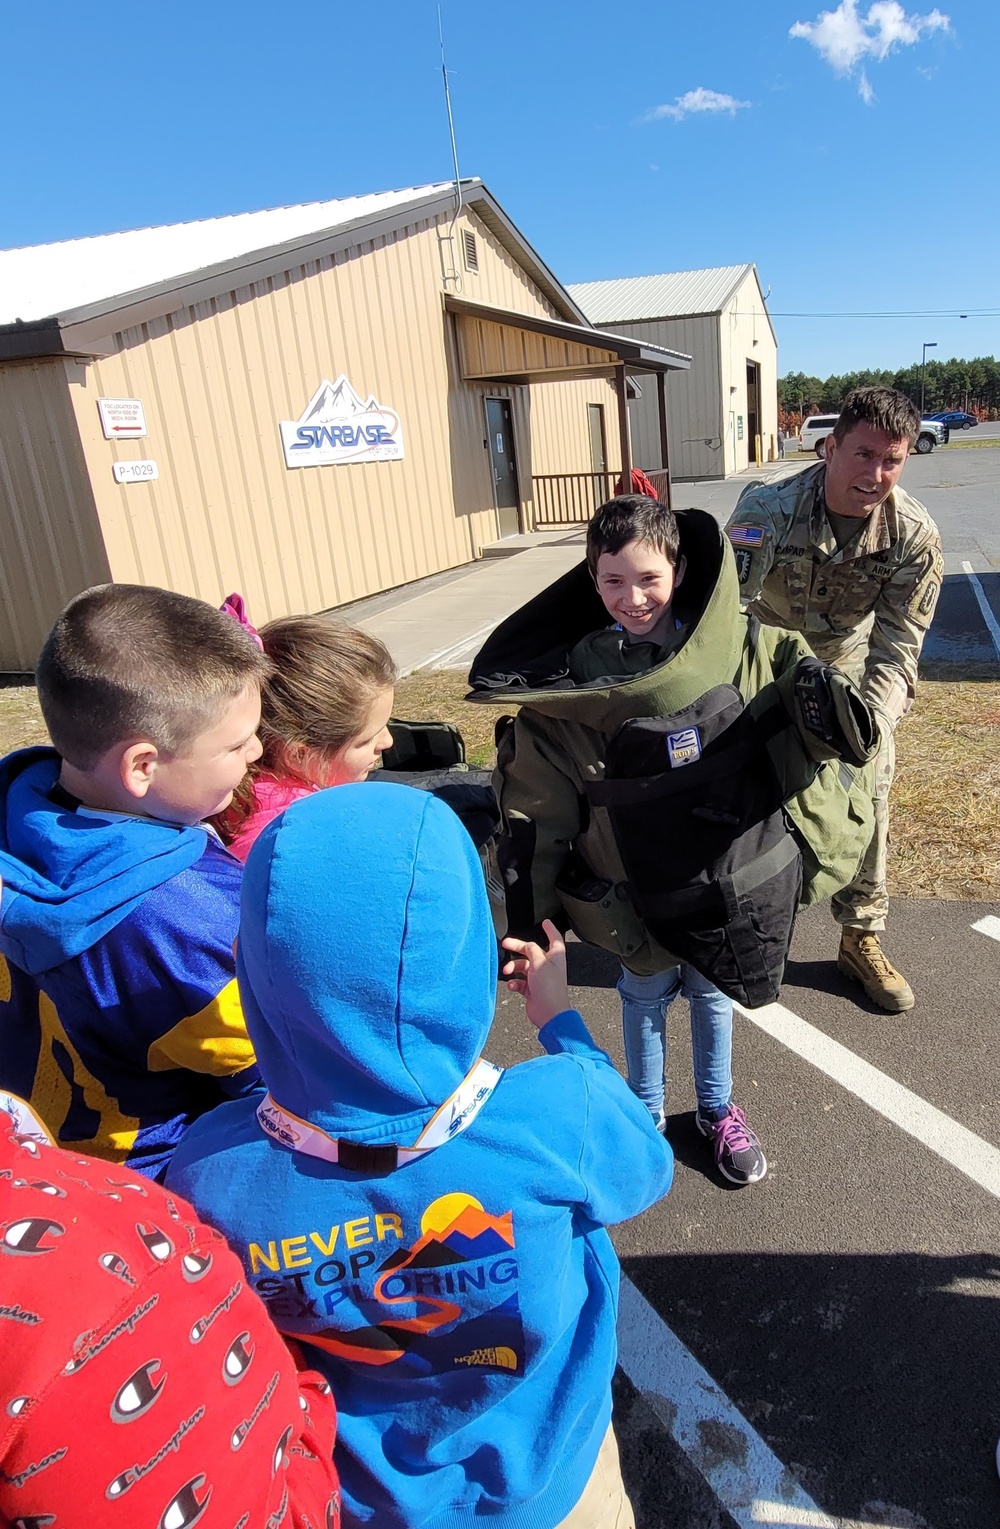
{"x": 366, "y": 960}
{"x": 69, "y": 878}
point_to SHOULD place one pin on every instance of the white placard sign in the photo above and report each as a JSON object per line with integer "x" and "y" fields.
{"x": 122, "y": 419}
{"x": 135, "y": 472}
{"x": 338, "y": 426}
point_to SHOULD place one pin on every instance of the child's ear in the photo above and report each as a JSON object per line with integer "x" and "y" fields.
{"x": 137, "y": 766}
{"x": 681, "y": 570}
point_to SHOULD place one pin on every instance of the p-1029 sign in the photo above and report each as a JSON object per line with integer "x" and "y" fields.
{"x": 337, "y": 426}
{"x": 135, "y": 472}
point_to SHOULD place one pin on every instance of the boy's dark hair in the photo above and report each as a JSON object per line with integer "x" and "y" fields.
{"x": 127, "y": 661}
{"x": 632, "y": 518}
{"x": 882, "y": 408}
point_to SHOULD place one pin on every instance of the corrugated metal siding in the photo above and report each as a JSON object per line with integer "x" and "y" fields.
{"x": 560, "y": 426}
{"x": 217, "y": 379}
{"x": 50, "y": 539}
{"x": 673, "y": 294}
{"x": 743, "y": 323}
{"x": 694, "y": 401}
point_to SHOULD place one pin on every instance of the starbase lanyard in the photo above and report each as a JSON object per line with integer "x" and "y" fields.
{"x": 457, "y": 1112}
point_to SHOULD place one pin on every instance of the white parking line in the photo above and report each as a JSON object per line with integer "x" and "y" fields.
{"x": 989, "y": 925}
{"x": 963, "y": 1149}
{"x": 748, "y": 1479}
{"x": 984, "y": 606}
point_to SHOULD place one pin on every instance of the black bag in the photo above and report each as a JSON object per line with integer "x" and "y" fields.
{"x": 431, "y": 756}
{"x": 423, "y": 746}
{"x": 712, "y": 868}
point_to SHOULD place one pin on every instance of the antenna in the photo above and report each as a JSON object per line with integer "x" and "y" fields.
{"x": 454, "y": 274}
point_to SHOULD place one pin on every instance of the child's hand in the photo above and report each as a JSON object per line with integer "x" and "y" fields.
{"x": 540, "y": 975}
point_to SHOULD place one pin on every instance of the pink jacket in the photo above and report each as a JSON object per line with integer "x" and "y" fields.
{"x": 272, "y": 797}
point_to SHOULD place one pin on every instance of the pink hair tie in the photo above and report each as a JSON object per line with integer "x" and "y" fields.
{"x": 234, "y": 605}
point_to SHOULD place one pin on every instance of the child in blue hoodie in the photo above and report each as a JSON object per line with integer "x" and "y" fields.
{"x": 120, "y": 1018}
{"x": 431, "y": 1227}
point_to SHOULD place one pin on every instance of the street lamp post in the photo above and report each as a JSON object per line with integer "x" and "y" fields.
{"x": 928, "y": 345}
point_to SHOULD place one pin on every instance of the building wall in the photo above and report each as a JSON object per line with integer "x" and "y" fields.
{"x": 745, "y": 335}
{"x": 217, "y": 378}
{"x": 50, "y": 539}
{"x": 694, "y": 399}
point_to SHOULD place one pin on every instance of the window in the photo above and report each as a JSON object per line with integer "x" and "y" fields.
{"x": 471, "y": 252}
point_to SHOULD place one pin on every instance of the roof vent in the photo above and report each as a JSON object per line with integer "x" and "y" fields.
{"x": 471, "y": 252}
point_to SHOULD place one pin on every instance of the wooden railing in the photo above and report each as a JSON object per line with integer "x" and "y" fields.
{"x": 565, "y": 499}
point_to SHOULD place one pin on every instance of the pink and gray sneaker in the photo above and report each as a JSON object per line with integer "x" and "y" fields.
{"x": 738, "y": 1154}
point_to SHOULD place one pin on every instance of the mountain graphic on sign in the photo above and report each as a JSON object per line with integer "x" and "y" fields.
{"x": 335, "y": 401}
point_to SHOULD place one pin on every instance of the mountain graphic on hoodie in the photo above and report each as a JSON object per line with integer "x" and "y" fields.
{"x": 473, "y": 1235}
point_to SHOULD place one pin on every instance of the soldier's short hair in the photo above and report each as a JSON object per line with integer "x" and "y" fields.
{"x": 127, "y": 661}
{"x": 884, "y": 409}
{"x": 632, "y": 518}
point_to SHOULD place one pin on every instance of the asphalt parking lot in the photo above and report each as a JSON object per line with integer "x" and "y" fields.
{"x": 820, "y": 1349}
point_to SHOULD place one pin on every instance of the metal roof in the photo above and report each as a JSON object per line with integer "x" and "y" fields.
{"x": 630, "y": 299}
{"x": 42, "y": 280}
{"x": 70, "y": 298}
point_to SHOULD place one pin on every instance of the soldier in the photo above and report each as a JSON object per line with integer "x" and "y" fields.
{"x": 844, "y": 556}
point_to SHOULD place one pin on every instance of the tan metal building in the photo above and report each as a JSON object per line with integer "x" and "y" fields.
{"x": 309, "y": 404}
{"x": 724, "y": 411}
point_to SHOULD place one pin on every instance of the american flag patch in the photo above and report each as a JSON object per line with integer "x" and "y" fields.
{"x": 746, "y": 536}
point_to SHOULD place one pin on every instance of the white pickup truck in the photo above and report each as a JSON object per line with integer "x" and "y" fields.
{"x": 817, "y": 427}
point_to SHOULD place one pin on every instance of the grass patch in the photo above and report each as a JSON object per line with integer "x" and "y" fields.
{"x": 945, "y": 801}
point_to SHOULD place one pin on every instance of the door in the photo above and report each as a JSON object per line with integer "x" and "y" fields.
{"x": 500, "y": 439}
{"x": 753, "y": 412}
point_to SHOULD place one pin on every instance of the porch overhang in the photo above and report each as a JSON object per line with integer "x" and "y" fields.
{"x": 501, "y": 345}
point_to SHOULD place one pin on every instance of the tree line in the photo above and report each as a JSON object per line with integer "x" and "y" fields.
{"x": 956, "y": 384}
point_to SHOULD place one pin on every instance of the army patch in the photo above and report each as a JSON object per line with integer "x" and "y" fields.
{"x": 684, "y": 747}
{"x": 746, "y": 536}
{"x": 927, "y": 603}
{"x": 744, "y": 562}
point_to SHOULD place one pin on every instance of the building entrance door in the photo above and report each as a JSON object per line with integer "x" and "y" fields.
{"x": 753, "y": 412}
{"x": 598, "y": 450}
{"x": 500, "y": 438}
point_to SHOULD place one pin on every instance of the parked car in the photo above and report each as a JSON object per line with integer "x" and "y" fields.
{"x": 956, "y": 419}
{"x": 817, "y": 427}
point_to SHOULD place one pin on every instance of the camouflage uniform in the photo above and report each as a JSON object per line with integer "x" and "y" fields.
{"x": 865, "y": 607}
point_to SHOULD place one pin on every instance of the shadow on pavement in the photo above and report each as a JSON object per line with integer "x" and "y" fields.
{"x": 958, "y": 632}
{"x": 873, "y": 1378}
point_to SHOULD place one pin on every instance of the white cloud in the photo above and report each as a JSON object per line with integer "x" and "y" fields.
{"x": 700, "y": 100}
{"x": 844, "y": 38}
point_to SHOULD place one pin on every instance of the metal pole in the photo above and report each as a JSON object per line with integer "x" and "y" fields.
{"x": 621, "y": 388}
{"x": 661, "y": 405}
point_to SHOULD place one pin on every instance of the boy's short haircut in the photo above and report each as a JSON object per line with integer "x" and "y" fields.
{"x": 128, "y": 661}
{"x": 632, "y": 518}
{"x": 884, "y": 409}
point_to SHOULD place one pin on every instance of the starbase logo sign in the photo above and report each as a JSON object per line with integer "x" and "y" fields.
{"x": 339, "y": 426}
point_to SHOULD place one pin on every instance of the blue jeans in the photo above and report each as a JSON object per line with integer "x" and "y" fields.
{"x": 645, "y": 1001}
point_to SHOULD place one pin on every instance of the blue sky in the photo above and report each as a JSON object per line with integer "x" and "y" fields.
{"x": 852, "y": 161}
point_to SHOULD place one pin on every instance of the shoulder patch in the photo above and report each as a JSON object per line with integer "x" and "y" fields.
{"x": 746, "y": 536}
{"x": 744, "y": 563}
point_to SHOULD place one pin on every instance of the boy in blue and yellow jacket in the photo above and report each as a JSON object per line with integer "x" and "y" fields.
{"x": 430, "y": 1227}
{"x": 120, "y": 1017}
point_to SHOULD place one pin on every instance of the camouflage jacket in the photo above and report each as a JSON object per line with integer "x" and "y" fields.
{"x": 865, "y": 607}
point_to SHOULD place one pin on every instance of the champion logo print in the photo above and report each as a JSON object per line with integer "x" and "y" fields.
{"x": 32, "y": 1235}
{"x": 138, "y": 1393}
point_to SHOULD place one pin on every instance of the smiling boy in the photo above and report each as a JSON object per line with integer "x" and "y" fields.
{"x": 120, "y": 1019}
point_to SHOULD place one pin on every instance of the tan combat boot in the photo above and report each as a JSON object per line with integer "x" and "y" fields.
{"x": 862, "y": 957}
